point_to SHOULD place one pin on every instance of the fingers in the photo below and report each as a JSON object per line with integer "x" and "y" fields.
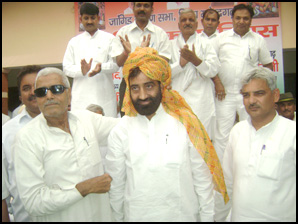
{"x": 126, "y": 38}
{"x": 221, "y": 96}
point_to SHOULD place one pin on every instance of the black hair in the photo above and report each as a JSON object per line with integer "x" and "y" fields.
{"x": 210, "y": 10}
{"x": 25, "y": 71}
{"x": 89, "y": 9}
{"x": 243, "y": 6}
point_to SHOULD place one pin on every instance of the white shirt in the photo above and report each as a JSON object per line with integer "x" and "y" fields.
{"x": 211, "y": 38}
{"x": 5, "y": 192}
{"x": 50, "y": 162}
{"x": 194, "y": 82}
{"x": 159, "y": 39}
{"x": 260, "y": 172}
{"x": 238, "y": 56}
{"x": 294, "y": 119}
{"x": 98, "y": 89}
{"x": 157, "y": 173}
{"x": 9, "y": 131}
{"x": 5, "y": 118}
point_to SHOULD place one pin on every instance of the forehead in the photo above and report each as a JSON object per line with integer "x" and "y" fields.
{"x": 142, "y": 3}
{"x": 255, "y": 85}
{"x": 211, "y": 15}
{"x": 242, "y": 13}
{"x": 28, "y": 79}
{"x": 140, "y": 79}
{"x": 49, "y": 80}
{"x": 187, "y": 15}
{"x": 88, "y": 15}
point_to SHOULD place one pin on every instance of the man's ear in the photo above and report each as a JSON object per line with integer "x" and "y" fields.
{"x": 276, "y": 94}
{"x": 20, "y": 98}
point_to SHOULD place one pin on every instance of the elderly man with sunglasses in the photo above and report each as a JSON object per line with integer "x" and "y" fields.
{"x": 58, "y": 164}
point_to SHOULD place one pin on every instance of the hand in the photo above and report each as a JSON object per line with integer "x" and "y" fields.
{"x": 85, "y": 67}
{"x": 96, "y": 70}
{"x": 189, "y": 55}
{"x": 219, "y": 89}
{"x": 126, "y": 44}
{"x": 145, "y": 43}
{"x": 99, "y": 184}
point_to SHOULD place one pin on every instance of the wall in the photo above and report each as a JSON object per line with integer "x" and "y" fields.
{"x": 38, "y": 33}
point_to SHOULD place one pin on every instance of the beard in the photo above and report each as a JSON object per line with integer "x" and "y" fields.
{"x": 149, "y": 108}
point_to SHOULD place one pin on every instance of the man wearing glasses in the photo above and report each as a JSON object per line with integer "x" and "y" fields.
{"x": 58, "y": 166}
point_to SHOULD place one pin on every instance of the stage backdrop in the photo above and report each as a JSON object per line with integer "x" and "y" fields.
{"x": 266, "y": 22}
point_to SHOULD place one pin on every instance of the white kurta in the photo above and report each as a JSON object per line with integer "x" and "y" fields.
{"x": 260, "y": 172}
{"x": 238, "y": 56}
{"x": 50, "y": 162}
{"x": 9, "y": 131}
{"x": 157, "y": 173}
{"x": 194, "y": 83}
{"x": 98, "y": 89}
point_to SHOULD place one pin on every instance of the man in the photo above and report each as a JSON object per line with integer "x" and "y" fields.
{"x": 260, "y": 159}
{"x": 194, "y": 63}
{"x": 58, "y": 165}
{"x": 153, "y": 159}
{"x": 210, "y": 22}
{"x": 140, "y": 33}
{"x": 87, "y": 60}
{"x": 286, "y": 106}
{"x": 239, "y": 50}
{"x": 25, "y": 83}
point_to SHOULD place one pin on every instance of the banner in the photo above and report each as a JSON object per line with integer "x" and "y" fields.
{"x": 266, "y": 22}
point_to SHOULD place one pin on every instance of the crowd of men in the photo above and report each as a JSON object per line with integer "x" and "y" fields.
{"x": 176, "y": 154}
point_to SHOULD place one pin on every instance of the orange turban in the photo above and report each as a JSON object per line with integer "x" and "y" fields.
{"x": 157, "y": 68}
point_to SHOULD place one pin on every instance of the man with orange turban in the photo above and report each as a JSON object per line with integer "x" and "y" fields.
{"x": 160, "y": 157}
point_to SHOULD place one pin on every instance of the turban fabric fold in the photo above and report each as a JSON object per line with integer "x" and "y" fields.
{"x": 156, "y": 68}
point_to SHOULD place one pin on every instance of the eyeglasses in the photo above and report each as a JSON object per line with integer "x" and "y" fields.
{"x": 55, "y": 89}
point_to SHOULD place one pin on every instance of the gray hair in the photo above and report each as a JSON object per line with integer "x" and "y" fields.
{"x": 51, "y": 70}
{"x": 261, "y": 73}
{"x": 95, "y": 108}
{"x": 187, "y": 11}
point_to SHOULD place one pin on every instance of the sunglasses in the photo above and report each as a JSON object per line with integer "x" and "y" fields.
{"x": 55, "y": 89}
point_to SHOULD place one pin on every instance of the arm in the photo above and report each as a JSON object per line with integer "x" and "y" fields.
{"x": 115, "y": 165}
{"x": 203, "y": 184}
{"x": 5, "y": 192}
{"x": 70, "y": 68}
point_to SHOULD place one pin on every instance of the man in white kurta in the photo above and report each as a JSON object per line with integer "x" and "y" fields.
{"x": 157, "y": 173}
{"x": 59, "y": 167}
{"x": 25, "y": 81}
{"x": 154, "y": 152}
{"x": 259, "y": 162}
{"x": 96, "y": 45}
{"x": 193, "y": 81}
{"x": 239, "y": 51}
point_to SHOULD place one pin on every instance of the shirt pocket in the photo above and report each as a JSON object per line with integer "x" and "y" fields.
{"x": 270, "y": 165}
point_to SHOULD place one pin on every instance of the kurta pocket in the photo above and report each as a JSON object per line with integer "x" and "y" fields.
{"x": 270, "y": 165}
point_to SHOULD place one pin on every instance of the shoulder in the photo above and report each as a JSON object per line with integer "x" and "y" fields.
{"x": 106, "y": 34}
{"x": 239, "y": 128}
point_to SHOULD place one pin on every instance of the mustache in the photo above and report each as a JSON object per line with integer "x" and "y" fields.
{"x": 31, "y": 97}
{"x": 51, "y": 102}
{"x": 253, "y": 106}
{"x": 141, "y": 12}
{"x": 190, "y": 26}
